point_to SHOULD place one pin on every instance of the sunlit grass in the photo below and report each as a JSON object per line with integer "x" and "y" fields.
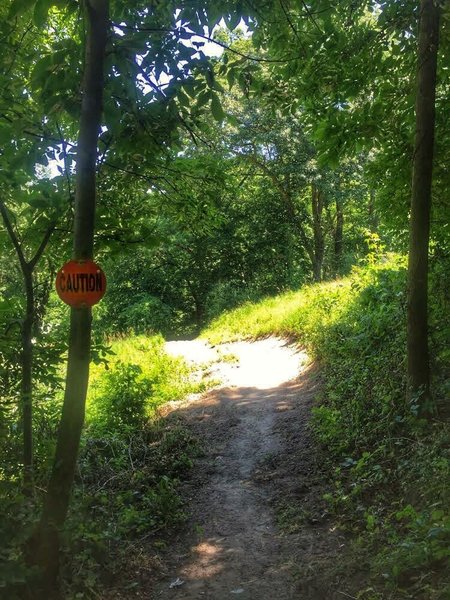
{"x": 153, "y": 373}
{"x": 302, "y": 314}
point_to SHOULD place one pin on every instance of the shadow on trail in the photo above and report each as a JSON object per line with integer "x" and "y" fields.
{"x": 232, "y": 545}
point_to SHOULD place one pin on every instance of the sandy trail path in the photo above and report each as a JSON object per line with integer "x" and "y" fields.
{"x": 233, "y": 547}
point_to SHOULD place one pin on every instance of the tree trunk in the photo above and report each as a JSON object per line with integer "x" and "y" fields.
{"x": 338, "y": 234}
{"x": 45, "y": 543}
{"x": 26, "y": 358}
{"x": 373, "y": 220}
{"x": 319, "y": 244}
{"x": 417, "y": 339}
{"x": 27, "y": 382}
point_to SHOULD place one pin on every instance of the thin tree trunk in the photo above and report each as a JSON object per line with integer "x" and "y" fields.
{"x": 417, "y": 339}
{"x": 319, "y": 245}
{"x": 56, "y": 502}
{"x": 27, "y": 382}
{"x": 26, "y": 359}
{"x": 373, "y": 220}
{"x": 338, "y": 234}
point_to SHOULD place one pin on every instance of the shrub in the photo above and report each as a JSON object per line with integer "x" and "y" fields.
{"x": 146, "y": 314}
{"x": 138, "y": 377}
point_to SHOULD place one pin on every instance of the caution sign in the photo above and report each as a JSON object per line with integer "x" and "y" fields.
{"x": 80, "y": 283}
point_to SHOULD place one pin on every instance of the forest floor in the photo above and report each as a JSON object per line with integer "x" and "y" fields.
{"x": 258, "y": 528}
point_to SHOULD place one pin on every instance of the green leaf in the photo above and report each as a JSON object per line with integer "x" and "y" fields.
{"x": 41, "y": 12}
{"x": 190, "y": 88}
{"x": 5, "y": 134}
{"x": 203, "y": 98}
{"x": 183, "y": 99}
{"x": 18, "y": 7}
{"x": 231, "y": 77}
{"x": 41, "y": 68}
{"x": 59, "y": 57}
{"x": 216, "y": 108}
{"x": 37, "y": 202}
{"x": 232, "y": 120}
{"x": 233, "y": 20}
{"x": 218, "y": 87}
{"x": 209, "y": 76}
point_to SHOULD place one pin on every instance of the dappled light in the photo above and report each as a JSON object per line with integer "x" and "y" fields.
{"x": 263, "y": 364}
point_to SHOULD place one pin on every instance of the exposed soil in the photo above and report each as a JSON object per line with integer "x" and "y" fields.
{"x": 260, "y": 475}
{"x": 258, "y": 527}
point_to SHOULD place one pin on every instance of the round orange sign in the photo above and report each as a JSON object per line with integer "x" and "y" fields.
{"x": 80, "y": 283}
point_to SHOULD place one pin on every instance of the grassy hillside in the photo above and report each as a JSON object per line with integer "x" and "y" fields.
{"x": 389, "y": 471}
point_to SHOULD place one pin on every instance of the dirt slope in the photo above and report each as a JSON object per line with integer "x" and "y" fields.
{"x": 258, "y": 455}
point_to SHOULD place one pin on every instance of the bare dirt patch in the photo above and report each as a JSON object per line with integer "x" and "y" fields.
{"x": 258, "y": 527}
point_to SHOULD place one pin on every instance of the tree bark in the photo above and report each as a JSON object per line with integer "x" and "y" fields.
{"x": 319, "y": 244}
{"x": 338, "y": 234}
{"x": 417, "y": 338}
{"x": 56, "y": 502}
{"x": 27, "y": 382}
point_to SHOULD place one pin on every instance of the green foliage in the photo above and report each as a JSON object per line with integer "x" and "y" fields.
{"x": 139, "y": 376}
{"x": 130, "y": 461}
{"x": 126, "y": 494}
{"x": 302, "y": 313}
{"x": 145, "y": 315}
{"x": 122, "y": 398}
{"x": 215, "y": 189}
{"x": 389, "y": 471}
{"x": 133, "y": 301}
{"x": 16, "y": 520}
{"x": 129, "y": 467}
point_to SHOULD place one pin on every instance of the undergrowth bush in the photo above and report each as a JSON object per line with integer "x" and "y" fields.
{"x": 125, "y": 494}
{"x": 129, "y": 467}
{"x": 130, "y": 460}
{"x": 142, "y": 314}
{"x": 138, "y": 377}
{"x": 389, "y": 470}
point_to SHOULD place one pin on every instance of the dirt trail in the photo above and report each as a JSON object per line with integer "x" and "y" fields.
{"x": 232, "y": 546}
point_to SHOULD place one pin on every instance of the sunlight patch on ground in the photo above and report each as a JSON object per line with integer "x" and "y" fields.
{"x": 261, "y": 364}
{"x": 208, "y": 556}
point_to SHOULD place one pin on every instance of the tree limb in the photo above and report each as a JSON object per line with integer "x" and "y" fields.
{"x": 13, "y": 237}
{"x": 47, "y": 235}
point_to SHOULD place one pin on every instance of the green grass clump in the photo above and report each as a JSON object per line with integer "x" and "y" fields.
{"x": 137, "y": 378}
{"x": 297, "y": 314}
{"x": 389, "y": 470}
{"x": 306, "y": 314}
